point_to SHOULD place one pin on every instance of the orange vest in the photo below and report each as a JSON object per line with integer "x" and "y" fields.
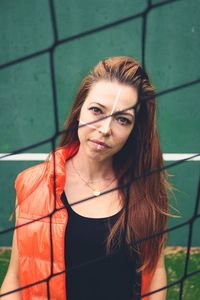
{"x": 35, "y": 193}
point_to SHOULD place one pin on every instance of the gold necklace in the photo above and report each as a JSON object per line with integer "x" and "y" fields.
{"x": 96, "y": 192}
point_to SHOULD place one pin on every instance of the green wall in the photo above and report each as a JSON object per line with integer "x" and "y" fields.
{"x": 172, "y": 44}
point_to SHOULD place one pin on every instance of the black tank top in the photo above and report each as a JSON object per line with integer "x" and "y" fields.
{"x": 91, "y": 274}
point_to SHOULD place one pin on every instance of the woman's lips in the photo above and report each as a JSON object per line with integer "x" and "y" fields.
{"x": 99, "y": 145}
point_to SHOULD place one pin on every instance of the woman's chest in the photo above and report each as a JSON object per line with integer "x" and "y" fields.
{"x": 85, "y": 203}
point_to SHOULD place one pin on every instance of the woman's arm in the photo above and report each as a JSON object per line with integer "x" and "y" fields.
{"x": 159, "y": 280}
{"x": 11, "y": 280}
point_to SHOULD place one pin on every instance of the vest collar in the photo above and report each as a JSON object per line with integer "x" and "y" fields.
{"x": 61, "y": 155}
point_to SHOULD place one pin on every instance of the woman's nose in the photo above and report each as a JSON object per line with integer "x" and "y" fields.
{"x": 104, "y": 126}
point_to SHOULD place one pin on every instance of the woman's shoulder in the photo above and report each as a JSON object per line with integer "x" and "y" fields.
{"x": 27, "y": 178}
{"x": 31, "y": 171}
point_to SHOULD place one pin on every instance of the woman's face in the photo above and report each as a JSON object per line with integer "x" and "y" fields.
{"x": 105, "y": 138}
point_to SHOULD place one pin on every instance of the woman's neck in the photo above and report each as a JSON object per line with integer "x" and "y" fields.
{"x": 92, "y": 169}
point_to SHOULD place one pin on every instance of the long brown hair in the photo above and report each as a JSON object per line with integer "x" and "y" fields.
{"x": 147, "y": 205}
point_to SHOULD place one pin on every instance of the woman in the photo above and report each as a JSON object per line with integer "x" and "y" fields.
{"x": 110, "y": 142}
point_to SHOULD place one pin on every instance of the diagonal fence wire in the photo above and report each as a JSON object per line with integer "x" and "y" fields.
{"x": 43, "y": 142}
{"x": 50, "y": 50}
{"x": 122, "y": 186}
{"x": 194, "y": 217}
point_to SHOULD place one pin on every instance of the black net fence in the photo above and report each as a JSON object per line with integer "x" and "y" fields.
{"x": 52, "y": 140}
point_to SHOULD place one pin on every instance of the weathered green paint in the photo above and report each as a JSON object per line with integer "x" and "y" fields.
{"x": 171, "y": 58}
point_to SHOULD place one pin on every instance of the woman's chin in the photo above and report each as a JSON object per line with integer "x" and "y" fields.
{"x": 96, "y": 154}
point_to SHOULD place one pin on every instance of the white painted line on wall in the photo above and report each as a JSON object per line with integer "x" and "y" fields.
{"x": 179, "y": 156}
{"x": 24, "y": 156}
{"x": 43, "y": 156}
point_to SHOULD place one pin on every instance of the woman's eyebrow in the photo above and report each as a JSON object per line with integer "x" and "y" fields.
{"x": 98, "y": 104}
{"x": 123, "y": 112}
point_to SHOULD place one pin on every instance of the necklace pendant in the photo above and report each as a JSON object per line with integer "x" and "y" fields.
{"x": 96, "y": 193}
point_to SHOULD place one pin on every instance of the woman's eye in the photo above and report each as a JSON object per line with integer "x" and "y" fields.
{"x": 123, "y": 121}
{"x": 95, "y": 110}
